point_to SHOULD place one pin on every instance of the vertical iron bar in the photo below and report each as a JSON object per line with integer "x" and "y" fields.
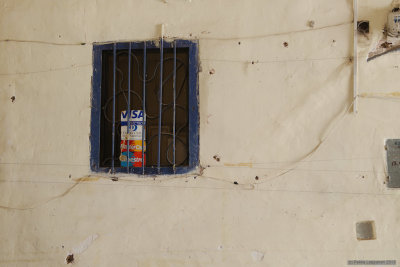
{"x": 144, "y": 103}
{"x": 160, "y": 101}
{"x": 128, "y": 110}
{"x": 174, "y": 119}
{"x": 113, "y": 118}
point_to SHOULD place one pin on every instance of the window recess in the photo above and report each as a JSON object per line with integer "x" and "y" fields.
{"x": 150, "y": 88}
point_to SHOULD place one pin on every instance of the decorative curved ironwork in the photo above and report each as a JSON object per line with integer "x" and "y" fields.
{"x": 122, "y": 91}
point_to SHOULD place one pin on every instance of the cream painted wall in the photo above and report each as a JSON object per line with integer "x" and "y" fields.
{"x": 286, "y": 119}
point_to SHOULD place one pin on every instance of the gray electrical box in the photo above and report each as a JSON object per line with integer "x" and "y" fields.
{"x": 393, "y": 162}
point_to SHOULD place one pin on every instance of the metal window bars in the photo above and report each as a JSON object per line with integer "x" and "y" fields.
{"x": 191, "y": 122}
{"x": 144, "y": 99}
{"x": 160, "y": 99}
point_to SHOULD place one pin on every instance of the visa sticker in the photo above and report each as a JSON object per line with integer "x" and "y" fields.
{"x": 134, "y": 138}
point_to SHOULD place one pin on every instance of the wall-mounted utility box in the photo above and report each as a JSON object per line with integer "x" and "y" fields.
{"x": 393, "y": 162}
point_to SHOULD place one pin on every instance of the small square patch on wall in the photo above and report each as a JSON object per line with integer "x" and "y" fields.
{"x": 365, "y": 230}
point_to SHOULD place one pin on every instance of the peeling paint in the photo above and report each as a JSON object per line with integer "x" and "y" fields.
{"x": 257, "y": 256}
{"x": 383, "y": 47}
{"x": 84, "y": 245}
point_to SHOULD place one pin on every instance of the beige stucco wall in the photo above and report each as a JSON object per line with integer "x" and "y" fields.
{"x": 287, "y": 119}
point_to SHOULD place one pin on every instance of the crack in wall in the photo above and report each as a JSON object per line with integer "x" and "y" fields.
{"x": 66, "y": 192}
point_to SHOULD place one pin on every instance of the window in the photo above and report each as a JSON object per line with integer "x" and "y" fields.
{"x": 150, "y": 88}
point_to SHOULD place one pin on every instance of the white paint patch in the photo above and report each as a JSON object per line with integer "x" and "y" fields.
{"x": 257, "y": 255}
{"x": 84, "y": 244}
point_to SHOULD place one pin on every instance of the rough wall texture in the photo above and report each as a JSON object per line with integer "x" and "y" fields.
{"x": 281, "y": 113}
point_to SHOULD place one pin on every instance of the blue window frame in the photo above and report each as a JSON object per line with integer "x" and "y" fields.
{"x": 97, "y": 135}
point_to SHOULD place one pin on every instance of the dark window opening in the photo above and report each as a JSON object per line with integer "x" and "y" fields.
{"x": 186, "y": 106}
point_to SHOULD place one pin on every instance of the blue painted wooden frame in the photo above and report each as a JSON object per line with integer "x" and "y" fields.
{"x": 193, "y": 107}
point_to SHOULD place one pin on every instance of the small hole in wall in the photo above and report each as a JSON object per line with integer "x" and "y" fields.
{"x": 350, "y": 59}
{"x": 235, "y": 182}
{"x": 285, "y": 44}
{"x": 256, "y": 178}
{"x": 13, "y": 98}
{"x": 70, "y": 258}
{"x": 363, "y": 26}
{"x": 239, "y": 43}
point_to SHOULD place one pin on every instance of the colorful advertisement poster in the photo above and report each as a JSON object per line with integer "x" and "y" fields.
{"x": 134, "y": 138}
